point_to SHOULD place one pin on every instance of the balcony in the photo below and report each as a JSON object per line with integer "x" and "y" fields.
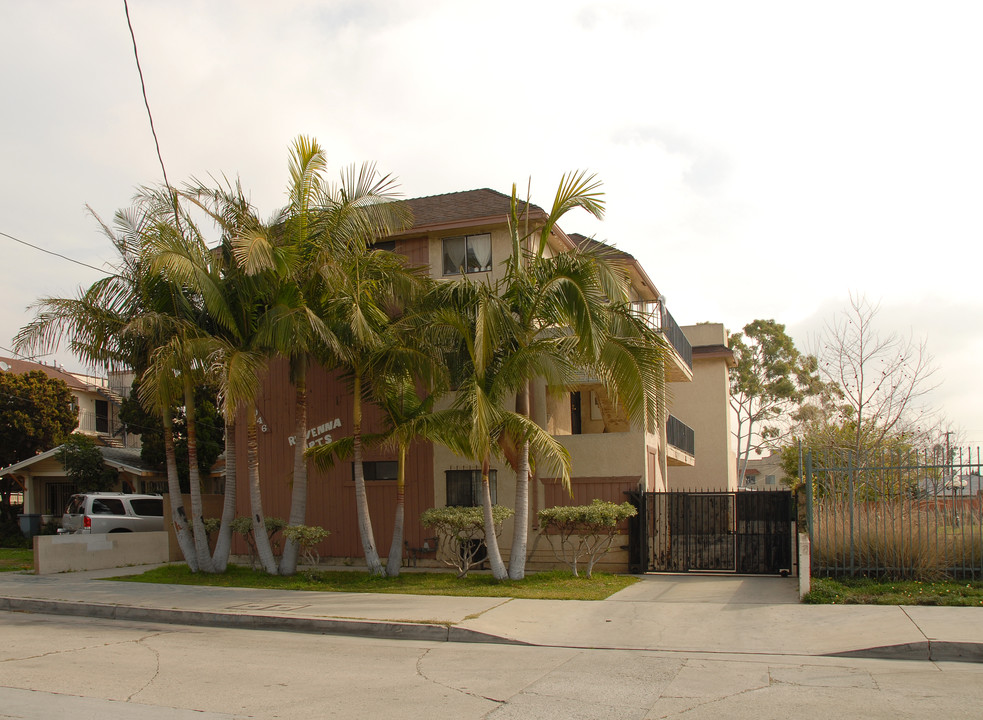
{"x": 680, "y": 443}
{"x": 680, "y": 365}
{"x": 98, "y": 424}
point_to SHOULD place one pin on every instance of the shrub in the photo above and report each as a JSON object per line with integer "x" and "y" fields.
{"x": 461, "y": 534}
{"x": 307, "y": 537}
{"x": 583, "y": 531}
{"x": 244, "y": 526}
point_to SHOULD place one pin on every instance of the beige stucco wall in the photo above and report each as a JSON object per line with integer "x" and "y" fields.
{"x": 704, "y": 405}
{"x": 69, "y": 553}
{"x": 501, "y": 249}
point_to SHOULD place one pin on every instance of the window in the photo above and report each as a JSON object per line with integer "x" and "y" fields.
{"x": 575, "y": 419}
{"x": 769, "y": 479}
{"x": 464, "y": 487}
{"x": 102, "y": 416}
{"x": 149, "y": 506}
{"x": 57, "y": 496}
{"x": 377, "y": 470}
{"x": 109, "y": 506}
{"x": 387, "y": 245}
{"x": 467, "y": 254}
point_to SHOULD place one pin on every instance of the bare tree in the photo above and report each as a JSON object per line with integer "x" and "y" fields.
{"x": 882, "y": 378}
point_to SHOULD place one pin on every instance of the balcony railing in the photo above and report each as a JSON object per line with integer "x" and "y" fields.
{"x": 90, "y": 422}
{"x": 680, "y": 435}
{"x": 661, "y": 319}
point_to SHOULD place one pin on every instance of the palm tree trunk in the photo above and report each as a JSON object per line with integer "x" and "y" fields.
{"x": 262, "y": 540}
{"x": 298, "y": 497}
{"x": 178, "y": 517}
{"x": 361, "y": 500}
{"x": 197, "y": 521}
{"x": 223, "y": 545}
{"x": 520, "y": 530}
{"x": 396, "y": 548}
{"x": 491, "y": 539}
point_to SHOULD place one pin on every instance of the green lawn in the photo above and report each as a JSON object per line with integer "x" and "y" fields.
{"x": 554, "y": 585}
{"x": 12, "y": 559}
{"x": 865, "y": 591}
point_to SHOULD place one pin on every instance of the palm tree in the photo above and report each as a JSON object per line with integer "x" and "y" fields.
{"x": 571, "y": 311}
{"x": 480, "y": 333}
{"x": 320, "y": 222}
{"x": 369, "y": 291}
{"x": 119, "y": 322}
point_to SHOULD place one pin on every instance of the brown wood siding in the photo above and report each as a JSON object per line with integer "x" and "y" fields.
{"x": 331, "y": 493}
{"x": 586, "y": 489}
{"x": 416, "y": 250}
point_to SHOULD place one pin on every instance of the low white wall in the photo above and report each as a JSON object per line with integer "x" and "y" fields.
{"x": 67, "y": 553}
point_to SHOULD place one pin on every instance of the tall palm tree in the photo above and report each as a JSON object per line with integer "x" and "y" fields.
{"x": 568, "y": 309}
{"x": 320, "y": 222}
{"x": 119, "y": 322}
{"x": 479, "y": 332}
{"x": 370, "y": 290}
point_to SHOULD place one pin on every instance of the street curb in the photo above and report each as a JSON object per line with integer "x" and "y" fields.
{"x": 382, "y": 629}
{"x": 933, "y": 650}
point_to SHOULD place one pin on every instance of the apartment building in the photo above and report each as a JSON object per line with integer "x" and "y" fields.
{"x": 469, "y": 230}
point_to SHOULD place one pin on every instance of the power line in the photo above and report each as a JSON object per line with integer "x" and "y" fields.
{"x": 143, "y": 87}
{"x": 52, "y": 252}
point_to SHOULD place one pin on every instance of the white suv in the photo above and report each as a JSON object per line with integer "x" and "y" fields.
{"x": 113, "y": 513}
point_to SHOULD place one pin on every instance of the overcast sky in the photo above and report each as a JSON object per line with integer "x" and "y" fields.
{"x": 762, "y": 160}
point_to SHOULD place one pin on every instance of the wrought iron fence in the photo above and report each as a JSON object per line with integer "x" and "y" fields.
{"x": 899, "y": 515}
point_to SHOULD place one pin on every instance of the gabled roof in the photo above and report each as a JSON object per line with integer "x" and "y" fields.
{"x": 19, "y": 367}
{"x": 596, "y": 245}
{"x": 467, "y": 205}
{"x": 126, "y": 459}
{"x": 643, "y": 283}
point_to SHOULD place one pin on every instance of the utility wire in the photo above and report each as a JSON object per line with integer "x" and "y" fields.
{"x": 52, "y": 252}
{"x": 143, "y": 87}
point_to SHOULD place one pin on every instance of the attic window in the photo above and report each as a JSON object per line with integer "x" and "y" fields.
{"x": 467, "y": 254}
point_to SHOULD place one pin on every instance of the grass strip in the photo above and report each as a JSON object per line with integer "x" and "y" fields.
{"x": 552, "y": 585}
{"x": 869, "y": 591}
{"x": 16, "y": 559}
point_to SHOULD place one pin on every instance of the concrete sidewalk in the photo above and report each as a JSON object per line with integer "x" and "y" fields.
{"x": 687, "y": 614}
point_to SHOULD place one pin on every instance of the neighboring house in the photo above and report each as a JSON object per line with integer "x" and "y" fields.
{"x": 42, "y": 478}
{"x": 47, "y": 489}
{"x": 704, "y": 406}
{"x": 469, "y": 231}
{"x": 764, "y": 473}
{"x": 98, "y": 404}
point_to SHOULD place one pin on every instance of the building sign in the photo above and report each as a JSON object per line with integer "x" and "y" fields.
{"x": 318, "y": 435}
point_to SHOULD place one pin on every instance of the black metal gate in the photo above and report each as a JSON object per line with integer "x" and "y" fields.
{"x": 742, "y": 532}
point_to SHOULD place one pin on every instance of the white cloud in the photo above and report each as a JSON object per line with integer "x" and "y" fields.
{"x": 762, "y": 159}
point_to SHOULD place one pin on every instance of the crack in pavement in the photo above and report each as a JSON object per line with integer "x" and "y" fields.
{"x": 80, "y": 648}
{"x": 140, "y": 642}
{"x": 421, "y": 674}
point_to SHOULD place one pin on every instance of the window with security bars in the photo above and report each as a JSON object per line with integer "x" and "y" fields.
{"x": 464, "y": 487}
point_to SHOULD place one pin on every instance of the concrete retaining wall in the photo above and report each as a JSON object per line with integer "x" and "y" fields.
{"x": 67, "y": 553}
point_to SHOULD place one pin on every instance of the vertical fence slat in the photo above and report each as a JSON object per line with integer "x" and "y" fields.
{"x": 897, "y": 514}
